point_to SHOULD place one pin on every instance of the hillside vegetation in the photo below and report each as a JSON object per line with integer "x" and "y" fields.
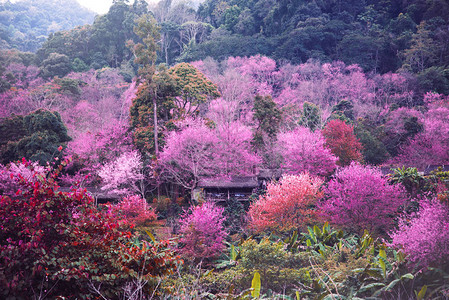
{"x": 229, "y": 150}
{"x": 26, "y": 24}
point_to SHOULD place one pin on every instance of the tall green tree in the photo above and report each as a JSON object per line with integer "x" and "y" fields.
{"x": 268, "y": 117}
{"x": 310, "y": 116}
{"x": 423, "y": 51}
{"x": 193, "y": 89}
{"x": 155, "y": 87}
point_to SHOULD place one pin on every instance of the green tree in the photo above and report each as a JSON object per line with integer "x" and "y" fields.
{"x": 151, "y": 100}
{"x": 193, "y": 89}
{"x": 373, "y": 150}
{"x": 268, "y": 117}
{"x": 422, "y": 52}
{"x": 434, "y": 79}
{"x": 343, "y": 110}
{"x": 310, "y": 116}
{"x": 36, "y": 136}
{"x": 56, "y": 65}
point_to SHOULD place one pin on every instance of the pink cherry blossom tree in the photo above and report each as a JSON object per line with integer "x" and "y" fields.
{"x": 134, "y": 209}
{"x": 360, "y": 198}
{"x": 202, "y": 231}
{"x": 430, "y": 147}
{"x": 305, "y": 151}
{"x": 189, "y": 153}
{"x": 287, "y": 204}
{"x": 12, "y": 176}
{"x": 91, "y": 150}
{"x": 234, "y": 154}
{"x": 124, "y": 175}
{"x": 199, "y": 151}
{"x": 424, "y": 236}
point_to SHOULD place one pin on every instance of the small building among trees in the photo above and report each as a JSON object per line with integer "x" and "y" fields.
{"x": 223, "y": 189}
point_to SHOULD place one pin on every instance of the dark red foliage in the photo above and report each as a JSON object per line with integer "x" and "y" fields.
{"x": 340, "y": 138}
{"x": 57, "y": 243}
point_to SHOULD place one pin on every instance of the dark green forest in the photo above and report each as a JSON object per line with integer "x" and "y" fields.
{"x": 380, "y": 36}
{"x": 26, "y": 24}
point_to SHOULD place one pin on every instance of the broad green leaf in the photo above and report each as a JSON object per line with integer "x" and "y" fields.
{"x": 367, "y": 287}
{"x": 150, "y": 235}
{"x": 421, "y": 293}
{"x": 383, "y": 266}
{"x": 233, "y": 253}
{"x": 256, "y": 285}
{"x": 392, "y": 284}
{"x": 376, "y": 273}
{"x": 407, "y": 276}
{"x": 317, "y": 231}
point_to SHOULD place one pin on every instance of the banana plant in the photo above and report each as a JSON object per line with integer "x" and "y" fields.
{"x": 382, "y": 274}
{"x": 320, "y": 240}
{"x": 231, "y": 259}
{"x": 365, "y": 243}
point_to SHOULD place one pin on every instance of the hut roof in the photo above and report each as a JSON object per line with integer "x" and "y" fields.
{"x": 233, "y": 182}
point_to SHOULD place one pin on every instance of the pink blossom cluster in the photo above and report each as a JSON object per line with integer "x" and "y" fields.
{"x": 305, "y": 151}
{"x": 13, "y": 176}
{"x": 424, "y": 236}
{"x": 288, "y": 204}
{"x": 360, "y": 198}
{"x": 202, "y": 231}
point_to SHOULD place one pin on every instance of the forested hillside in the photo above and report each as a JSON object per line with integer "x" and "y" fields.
{"x": 26, "y": 24}
{"x": 229, "y": 150}
{"x": 380, "y": 37}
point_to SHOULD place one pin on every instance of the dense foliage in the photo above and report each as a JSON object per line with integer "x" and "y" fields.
{"x": 342, "y": 142}
{"x": 305, "y": 151}
{"x": 36, "y": 136}
{"x": 287, "y": 205}
{"x": 424, "y": 235}
{"x": 361, "y": 198}
{"x": 202, "y": 232}
{"x": 26, "y": 24}
{"x": 358, "y": 90}
{"x": 53, "y": 241}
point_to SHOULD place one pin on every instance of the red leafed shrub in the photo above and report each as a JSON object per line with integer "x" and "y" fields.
{"x": 61, "y": 245}
{"x": 360, "y": 198}
{"x": 340, "y": 138}
{"x": 202, "y": 231}
{"x": 424, "y": 235}
{"x": 135, "y": 210}
{"x": 287, "y": 205}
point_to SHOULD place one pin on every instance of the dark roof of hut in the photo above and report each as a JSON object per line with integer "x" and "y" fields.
{"x": 233, "y": 182}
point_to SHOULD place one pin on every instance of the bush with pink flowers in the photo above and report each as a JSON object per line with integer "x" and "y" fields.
{"x": 202, "y": 231}
{"x": 424, "y": 236}
{"x": 359, "y": 198}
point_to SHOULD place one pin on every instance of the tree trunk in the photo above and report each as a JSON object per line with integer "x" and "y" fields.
{"x": 156, "y": 144}
{"x": 156, "y": 137}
